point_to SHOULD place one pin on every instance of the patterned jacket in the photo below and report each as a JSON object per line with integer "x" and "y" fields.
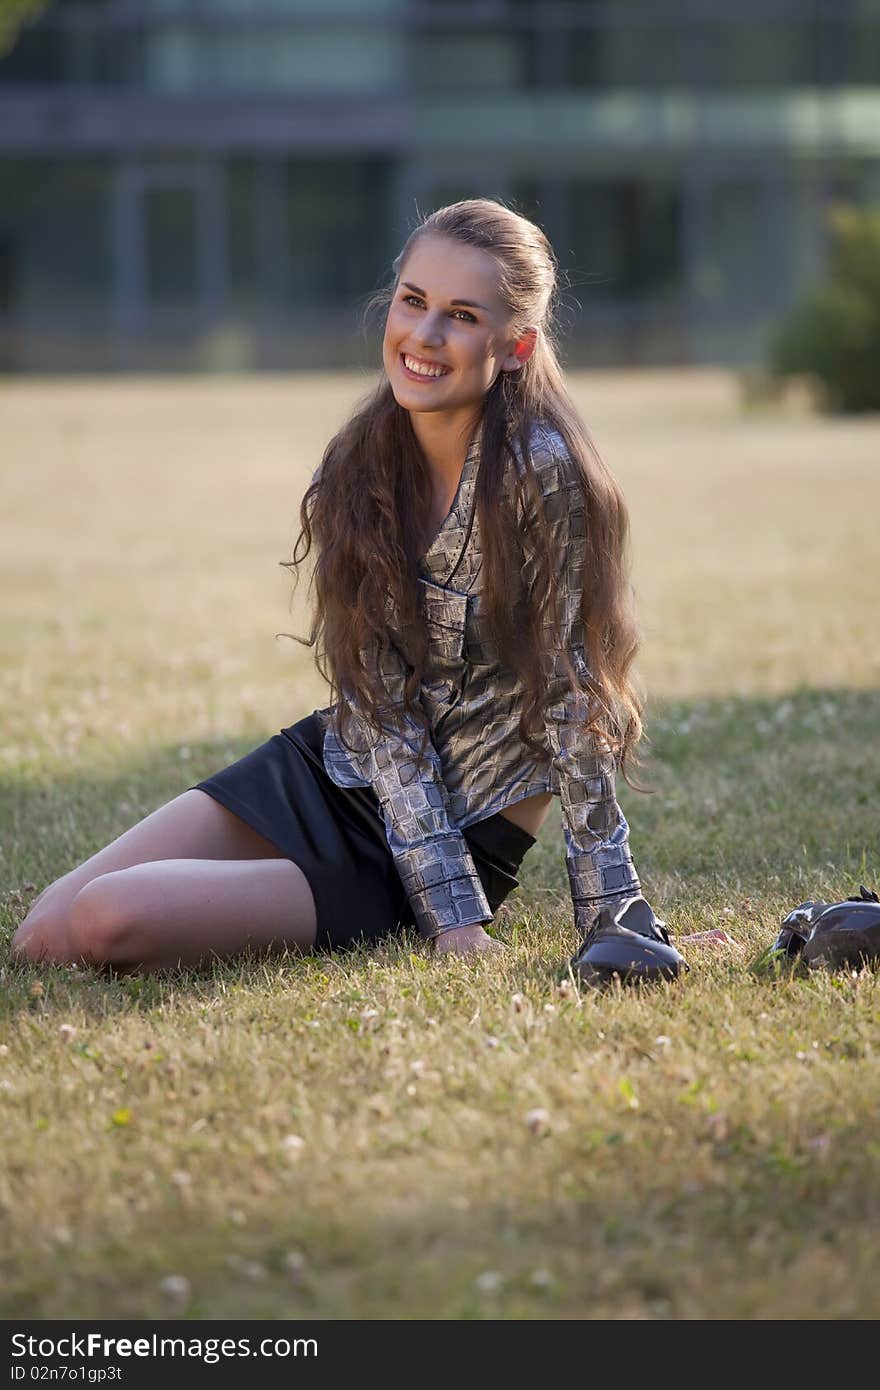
{"x": 475, "y": 764}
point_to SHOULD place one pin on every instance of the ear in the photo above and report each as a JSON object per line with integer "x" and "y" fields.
{"x": 523, "y": 348}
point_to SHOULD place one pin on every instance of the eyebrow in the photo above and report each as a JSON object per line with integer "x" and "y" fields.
{"x": 469, "y": 303}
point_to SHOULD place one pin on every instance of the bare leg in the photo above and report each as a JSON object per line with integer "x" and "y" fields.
{"x": 193, "y": 826}
{"x": 181, "y": 912}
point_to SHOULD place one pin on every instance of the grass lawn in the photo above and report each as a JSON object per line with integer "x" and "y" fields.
{"x": 378, "y": 1134}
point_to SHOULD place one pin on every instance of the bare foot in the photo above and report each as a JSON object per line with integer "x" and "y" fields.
{"x": 716, "y": 937}
{"x": 466, "y": 941}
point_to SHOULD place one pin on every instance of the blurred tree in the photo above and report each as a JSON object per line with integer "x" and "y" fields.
{"x": 834, "y": 335}
{"x": 14, "y": 14}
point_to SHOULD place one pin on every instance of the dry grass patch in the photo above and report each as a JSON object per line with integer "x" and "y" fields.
{"x": 376, "y": 1133}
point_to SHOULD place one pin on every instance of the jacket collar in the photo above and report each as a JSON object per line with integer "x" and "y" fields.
{"x": 442, "y": 557}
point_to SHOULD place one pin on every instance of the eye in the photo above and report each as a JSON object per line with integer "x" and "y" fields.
{"x": 469, "y": 317}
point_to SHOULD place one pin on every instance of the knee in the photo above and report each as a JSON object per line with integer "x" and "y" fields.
{"x": 43, "y": 937}
{"x": 101, "y": 924}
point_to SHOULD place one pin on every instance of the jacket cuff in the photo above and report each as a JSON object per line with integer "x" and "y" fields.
{"x": 442, "y": 885}
{"x": 605, "y": 876}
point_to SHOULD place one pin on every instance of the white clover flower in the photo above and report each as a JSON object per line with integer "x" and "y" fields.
{"x": 295, "y": 1264}
{"x": 490, "y": 1281}
{"x": 175, "y": 1287}
{"x": 537, "y": 1121}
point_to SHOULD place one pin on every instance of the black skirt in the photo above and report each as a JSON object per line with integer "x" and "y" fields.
{"x": 336, "y": 835}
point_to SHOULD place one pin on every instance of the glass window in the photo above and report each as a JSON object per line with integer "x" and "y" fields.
{"x": 243, "y": 9}
{"x": 469, "y": 58}
{"x": 336, "y": 214}
{"x": 443, "y": 191}
{"x": 735, "y": 251}
{"x": 862, "y": 56}
{"x": 757, "y": 53}
{"x": 544, "y": 201}
{"x": 305, "y": 232}
{"x": 10, "y": 270}
{"x": 631, "y": 56}
{"x": 526, "y": 198}
{"x": 55, "y": 227}
{"x": 725, "y": 55}
{"x": 37, "y": 56}
{"x": 577, "y": 6}
{"x": 78, "y": 57}
{"x": 171, "y": 52}
{"x": 270, "y": 57}
{"x": 170, "y": 246}
{"x": 244, "y": 213}
{"x": 625, "y": 236}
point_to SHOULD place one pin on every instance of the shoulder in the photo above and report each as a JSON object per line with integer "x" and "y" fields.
{"x": 548, "y": 457}
{"x": 558, "y": 475}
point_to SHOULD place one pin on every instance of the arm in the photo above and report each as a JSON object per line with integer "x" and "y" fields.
{"x": 598, "y": 859}
{"x": 430, "y": 853}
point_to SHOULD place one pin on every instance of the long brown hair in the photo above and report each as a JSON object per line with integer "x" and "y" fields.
{"x": 365, "y": 512}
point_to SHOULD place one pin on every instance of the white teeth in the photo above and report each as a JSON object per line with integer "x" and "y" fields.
{"x": 421, "y": 370}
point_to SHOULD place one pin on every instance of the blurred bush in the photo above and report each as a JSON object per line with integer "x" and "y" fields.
{"x": 834, "y": 335}
{"x": 14, "y": 14}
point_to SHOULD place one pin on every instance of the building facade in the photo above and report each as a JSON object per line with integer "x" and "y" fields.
{"x": 222, "y": 183}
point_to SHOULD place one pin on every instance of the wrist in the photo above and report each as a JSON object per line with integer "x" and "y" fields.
{"x": 442, "y": 885}
{"x": 463, "y": 940}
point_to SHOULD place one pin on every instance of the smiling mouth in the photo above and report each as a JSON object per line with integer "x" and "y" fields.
{"x": 421, "y": 370}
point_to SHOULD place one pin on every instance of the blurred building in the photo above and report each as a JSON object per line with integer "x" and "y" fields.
{"x": 221, "y": 183}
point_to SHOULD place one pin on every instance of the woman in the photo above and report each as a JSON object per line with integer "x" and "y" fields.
{"x": 471, "y": 617}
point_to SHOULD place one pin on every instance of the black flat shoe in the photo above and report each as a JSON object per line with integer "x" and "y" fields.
{"x": 630, "y": 942}
{"x": 796, "y": 927}
{"x": 845, "y": 934}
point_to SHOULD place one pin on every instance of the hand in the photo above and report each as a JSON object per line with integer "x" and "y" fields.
{"x": 716, "y": 937}
{"x": 470, "y": 940}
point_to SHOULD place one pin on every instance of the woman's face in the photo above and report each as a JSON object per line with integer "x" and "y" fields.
{"x": 461, "y": 347}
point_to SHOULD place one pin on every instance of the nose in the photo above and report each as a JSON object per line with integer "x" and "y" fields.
{"x": 430, "y": 331}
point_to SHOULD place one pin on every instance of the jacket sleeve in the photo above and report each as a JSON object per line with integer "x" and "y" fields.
{"x": 598, "y": 859}
{"x": 430, "y": 853}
